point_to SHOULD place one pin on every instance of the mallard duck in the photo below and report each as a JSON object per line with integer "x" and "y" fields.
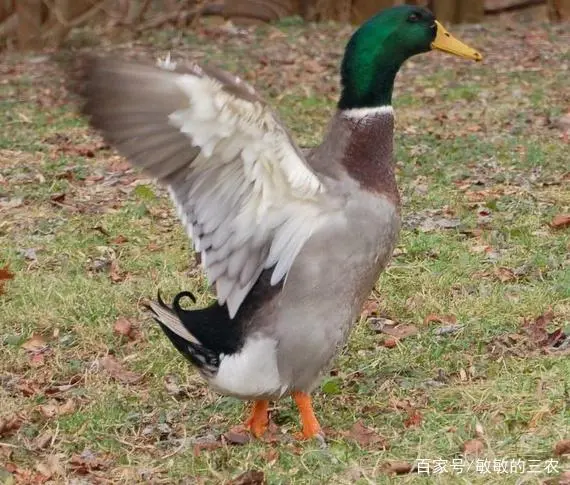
{"x": 293, "y": 243}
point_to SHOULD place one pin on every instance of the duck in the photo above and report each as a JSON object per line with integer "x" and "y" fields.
{"x": 292, "y": 242}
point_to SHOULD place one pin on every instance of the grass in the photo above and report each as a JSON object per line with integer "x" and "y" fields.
{"x": 470, "y": 138}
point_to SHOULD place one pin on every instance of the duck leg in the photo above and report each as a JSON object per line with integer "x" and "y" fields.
{"x": 258, "y": 420}
{"x": 311, "y": 427}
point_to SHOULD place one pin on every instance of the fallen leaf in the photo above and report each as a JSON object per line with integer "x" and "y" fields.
{"x": 504, "y": 274}
{"x": 66, "y": 175}
{"x": 119, "y": 240}
{"x": 207, "y": 444}
{"x": 250, "y": 477}
{"x": 174, "y": 389}
{"x": 43, "y": 440}
{"x": 9, "y": 425}
{"x": 50, "y": 468}
{"x": 397, "y": 467}
{"x": 116, "y": 274}
{"x": 560, "y": 221}
{"x": 238, "y": 435}
{"x": 473, "y": 447}
{"x": 536, "y": 329}
{"x": 271, "y": 456}
{"x": 313, "y": 66}
{"x": 562, "y": 447}
{"x": 123, "y": 327}
{"x": 6, "y": 452}
{"x": 435, "y": 318}
{"x": 153, "y": 247}
{"x": 35, "y": 344}
{"x": 5, "y": 275}
{"x": 102, "y": 230}
{"x": 57, "y": 199}
{"x": 54, "y": 409}
{"x": 414, "y": 419}
{"x": 390, "y": 343}
{"x": 394, "y": 329}
{"x": 86, "y": 462}
{"x": 370, "y": 308}
{"x": 366, "y": 437}
{"x": 118, "y": 372}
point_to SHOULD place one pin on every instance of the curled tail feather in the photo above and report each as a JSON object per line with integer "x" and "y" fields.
{"x": 168, "y": 316}
{"x": 169, "y": 319}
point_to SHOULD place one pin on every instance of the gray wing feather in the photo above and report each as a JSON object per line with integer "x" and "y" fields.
{"x": 241, "y": 187}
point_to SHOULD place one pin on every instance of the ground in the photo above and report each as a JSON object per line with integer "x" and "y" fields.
{"x": 460, "y": 359}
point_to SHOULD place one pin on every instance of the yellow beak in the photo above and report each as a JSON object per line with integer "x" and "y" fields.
{"x": 445, "y": 42}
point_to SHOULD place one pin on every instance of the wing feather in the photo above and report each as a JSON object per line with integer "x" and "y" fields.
{"x": 243, "y": 190}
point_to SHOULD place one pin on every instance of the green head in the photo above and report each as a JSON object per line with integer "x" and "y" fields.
{"x": 380, "y": 46}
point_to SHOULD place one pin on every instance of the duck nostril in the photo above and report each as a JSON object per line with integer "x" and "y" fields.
{"x": 447, "y": 34}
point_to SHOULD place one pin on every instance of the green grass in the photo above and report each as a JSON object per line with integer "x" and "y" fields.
{"x": 469, "y": 136}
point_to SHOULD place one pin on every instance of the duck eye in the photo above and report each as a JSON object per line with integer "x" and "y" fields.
{"x": 413, "y": 17}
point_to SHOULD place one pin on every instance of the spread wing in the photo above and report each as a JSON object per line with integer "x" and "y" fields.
{"x": 241, "y": 187}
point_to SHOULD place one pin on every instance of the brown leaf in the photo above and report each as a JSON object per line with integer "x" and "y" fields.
{"x": 366, "y": 437}
{"x": 206, "y": 445}
{"x": 43, "y": 440}
{"x": 390, "y": 342}
{"x": 102, "y": 230}
{"x": 536, "y": 329}
{"x": 116, "y": 274}
{"x": 50, "y": 468}
{"x": 562, "y": 447}
{"x": 504, "y": 274}
{"x": 9, "y": 425}
{"x": 560, "y": 221}
{"x": 54, "y": 409}
{"x": 118, "y": 372}
{"x": 6, "y": 452}
{"x": 397, "y": 467}
{"x": 123, "y": 327}
{"x": 57, "y": 199}
{"x": 414, "y": 419}
{"x": 250, "y": 477}
{"x": 86, "y": 463}
{"x": 473, "y": 447}
{"x": 66, "y": 175}
{"x": 238, "y": 435}
{"x": 370, "y": 308}
{"x": 399, "y": 331}
{"x": 119, "y": 239}
{"x": 35, "y": 344}
{"x": 5, "y": 275}
{"x": 434, "y": 317}
{"x": 118, "y": 164}
{"x": 313, "y": 66}
{"x": 271, "y": 456}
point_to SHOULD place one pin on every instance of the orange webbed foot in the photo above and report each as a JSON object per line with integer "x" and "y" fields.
{"x": 258, "y": 420}
{"x": 311, "y": 427}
